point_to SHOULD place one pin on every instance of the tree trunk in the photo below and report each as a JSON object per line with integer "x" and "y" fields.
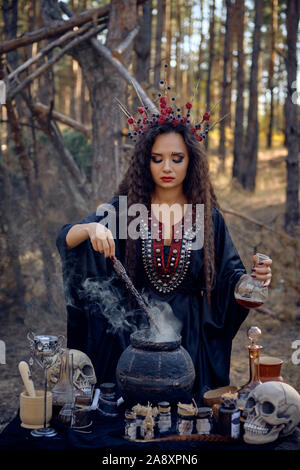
{"x": 251, "y": 143}
{"x": 142, "y": 44}
{"x": 240, "y": 78}
{"x": 168, "y": 30}
{"x": 16, "y": 303}
{"x": 36, "y": 209}
{"x": 178, "y": 81}
{"x": 211, "y": 57}
{"x": 271, "y": 70}
{"x": 104, "y": 85}
{"x": 160, "y": 20}
{"x": 200, "y": 58}
{"x": 190, "y": 61}
{"x": 225, "y": 101}
{"x": 10, "y": 17}
{"x": 291, "y": 119}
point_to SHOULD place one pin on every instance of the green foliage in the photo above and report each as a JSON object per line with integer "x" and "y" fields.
{"x": 80, "y": 148}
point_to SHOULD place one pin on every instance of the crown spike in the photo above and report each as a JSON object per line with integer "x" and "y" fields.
{"x": 138, "y": 95}
{"x": 215, "y": 123}
{"x": 125, "y": 111}
{"x": 216, "y": 104}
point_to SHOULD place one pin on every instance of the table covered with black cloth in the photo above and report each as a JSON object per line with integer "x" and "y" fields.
{"x": 106, "y": 440}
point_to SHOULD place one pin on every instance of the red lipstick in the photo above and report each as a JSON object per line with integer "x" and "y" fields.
{"x": 167, "y": 178}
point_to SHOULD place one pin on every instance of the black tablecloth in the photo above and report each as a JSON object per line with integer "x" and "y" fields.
{"x": 106, "y": 441}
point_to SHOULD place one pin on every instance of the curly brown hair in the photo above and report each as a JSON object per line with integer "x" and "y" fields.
{"x": 138, "y": 186}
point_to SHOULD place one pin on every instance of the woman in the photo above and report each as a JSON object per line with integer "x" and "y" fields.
{"x": 168, "y": 167}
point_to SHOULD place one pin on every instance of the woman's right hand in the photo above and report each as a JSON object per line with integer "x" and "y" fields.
{"x": 101, "y": 238}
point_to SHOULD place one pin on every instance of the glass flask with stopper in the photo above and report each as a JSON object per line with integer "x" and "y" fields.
{"x": 250, "y": 292}
{"x": 63, "y": 391}
{"x": 254, "y": 349}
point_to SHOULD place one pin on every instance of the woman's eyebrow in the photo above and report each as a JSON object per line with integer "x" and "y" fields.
{"x": 173, "y": 153}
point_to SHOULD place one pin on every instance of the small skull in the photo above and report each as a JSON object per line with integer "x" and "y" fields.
{"x": 83, "y": 371}
{"x": 84, "y": 374}
{"x": 272, "y": 410}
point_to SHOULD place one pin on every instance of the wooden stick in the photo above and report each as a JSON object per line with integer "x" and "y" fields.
{"x": 257, "y": 222}
{"x": 51, "y": 45}
{"x": 105, "y": 52}
{"x": 118, "y": 51}
{"x": 53, "y": 133}
{"x": 44, "y": 111}
{"x": 56, "y": 28}
{"x": 120, "y": 270}
{"x": 12, "y": 93}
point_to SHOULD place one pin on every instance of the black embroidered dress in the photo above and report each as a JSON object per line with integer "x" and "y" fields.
{"x": 174, "y": 274}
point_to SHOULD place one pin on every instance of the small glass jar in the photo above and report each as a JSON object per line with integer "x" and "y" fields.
{"x": 140, "y": 430}
{"x": 164, "y": 420}
{"x": 130, "y": 424}
{"x": 204, "y": 421}
{"x": 107, "y": 404}
{"x": 185, "y": 421}
{"x": 229, "y": 416}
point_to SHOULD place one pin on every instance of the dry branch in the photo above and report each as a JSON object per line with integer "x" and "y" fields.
{"x": 52, "y": 131}
{"x": 12, "y": 93}
{"x": 256, "y": 222}
{"x": 45, "y": 50}
{"x": 126, "y": 43}
{"x": 44, "y": 111}
{"x": 106, "y": 53}
{"x": 56, "y": 28}
{"x": 55, "y": 136}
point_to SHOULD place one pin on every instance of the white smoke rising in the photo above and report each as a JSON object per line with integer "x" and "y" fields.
{"x": 168, "y": 324}
{"x": 109, "y": 300}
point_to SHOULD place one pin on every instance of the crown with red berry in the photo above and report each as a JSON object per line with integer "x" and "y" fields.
{"x": 169, "y": 112}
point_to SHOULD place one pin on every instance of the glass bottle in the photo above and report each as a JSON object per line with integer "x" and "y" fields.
{"x": 63, "y": 392}
{"x": 107, "y": 404}
{"x": 204, "y": 422}
{"x": 229, "y": 416}
{"x": 250, "y": 292}
{"x": 185, "y": 420}
{"x": 254, "y": 349}
{"x": 130, "y": 424}
{"x": 164, "y": 420}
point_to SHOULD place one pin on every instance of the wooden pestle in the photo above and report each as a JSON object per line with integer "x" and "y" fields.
{"x": 27, "y": 379}
{"x": 120, "y": 270}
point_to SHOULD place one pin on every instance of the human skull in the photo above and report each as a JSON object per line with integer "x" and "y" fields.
{"x": 84, "y": 374}
{"x": 272, "y": 409}
{"x": 83, "y": 371}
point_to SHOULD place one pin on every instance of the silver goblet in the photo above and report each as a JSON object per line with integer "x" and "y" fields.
{"x": 43, "y": 348}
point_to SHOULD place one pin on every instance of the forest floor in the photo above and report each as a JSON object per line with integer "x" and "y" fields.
{"x": 280, "y": 327}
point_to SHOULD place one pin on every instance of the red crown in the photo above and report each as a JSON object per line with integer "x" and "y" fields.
{"x": 169, "y": 112}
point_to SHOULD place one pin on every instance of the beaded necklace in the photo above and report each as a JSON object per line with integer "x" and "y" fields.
{"x": 166, "y": 277}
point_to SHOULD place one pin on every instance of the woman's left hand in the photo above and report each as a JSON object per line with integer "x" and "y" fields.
{"x": 262, "y": 271}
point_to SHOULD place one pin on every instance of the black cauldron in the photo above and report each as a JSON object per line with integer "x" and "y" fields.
{"x": 150, "y": 371}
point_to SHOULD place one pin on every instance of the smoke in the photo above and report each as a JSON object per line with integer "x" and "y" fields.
{"x": 109, "y": 299}
{"x": 168, "y": 325}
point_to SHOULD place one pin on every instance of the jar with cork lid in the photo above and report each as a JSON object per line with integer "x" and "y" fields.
{"x": 229, "y": 416}
{"x": 185, "y": 418}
